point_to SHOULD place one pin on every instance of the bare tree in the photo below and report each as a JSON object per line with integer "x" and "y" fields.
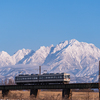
{"x": 5, "y": 81}
{"x": 11, "y": 82}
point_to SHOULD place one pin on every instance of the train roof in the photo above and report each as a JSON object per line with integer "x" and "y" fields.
{"x": 44, "y": 74}
{"x": 27, "y": 74}
{"x": 53, "y": 73}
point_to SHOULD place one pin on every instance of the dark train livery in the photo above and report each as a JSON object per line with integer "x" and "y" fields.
{"x": 46, "y": 78}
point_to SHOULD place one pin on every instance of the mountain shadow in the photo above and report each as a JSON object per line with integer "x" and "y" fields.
{"x": 52, "y": 56}
{"x": 26, "y": 57}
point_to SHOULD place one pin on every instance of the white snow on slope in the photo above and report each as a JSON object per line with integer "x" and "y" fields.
{"x": 79, "y": 59}
{"x": 5, "y": 59}
{"x": 38, "y": 57}
{"x": 20, "y": 55}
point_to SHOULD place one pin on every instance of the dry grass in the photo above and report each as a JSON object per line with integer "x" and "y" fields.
{"x": 85, "y": 96}
{"x": 49, "y": 95}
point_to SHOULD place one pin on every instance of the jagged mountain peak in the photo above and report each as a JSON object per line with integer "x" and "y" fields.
{"x": 73, "y": 41}
{"x": 4, "y": 53}
{"x": 64, "y": 44}
{"x": 39, "y": 56}
{"x": 5, "y": 59}
{"x": 20, "y": 55}
{"x": 43, "y": 47}
{"x": 22, "y": 51}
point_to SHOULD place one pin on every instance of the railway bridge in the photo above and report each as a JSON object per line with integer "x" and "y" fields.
{"x": 66, "y": 88}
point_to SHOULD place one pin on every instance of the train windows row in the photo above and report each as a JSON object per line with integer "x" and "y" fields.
{"x": 28, "y": 78}
{"x": 50, "y": 77}
{"x": 41, "y": 77}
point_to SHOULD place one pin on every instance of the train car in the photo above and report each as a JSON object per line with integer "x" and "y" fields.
{"x": 26, "y": 79}
{"x": 47, "y": 78}
{"x": 54, "y": 78}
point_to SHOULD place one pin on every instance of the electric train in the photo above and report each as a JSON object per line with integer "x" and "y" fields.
{"x": 46, "y": 78}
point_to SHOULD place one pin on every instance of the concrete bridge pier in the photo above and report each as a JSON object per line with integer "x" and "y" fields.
{"x": 34, "y": 92}
{"x": 67, "y": 94}
{"x": 5, "y": 92}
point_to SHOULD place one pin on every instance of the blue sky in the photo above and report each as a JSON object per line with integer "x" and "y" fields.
{"x": 30, "y": 24}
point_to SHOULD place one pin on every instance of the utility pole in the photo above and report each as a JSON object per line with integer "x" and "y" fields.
{"x": 39, "y": 70}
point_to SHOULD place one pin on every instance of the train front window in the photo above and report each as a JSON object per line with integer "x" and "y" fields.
{"x": 69, "y": 76}
{"x": 66, "y": 77}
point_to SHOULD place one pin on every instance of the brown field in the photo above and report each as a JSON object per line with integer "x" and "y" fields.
{"x": 49, "y": 95}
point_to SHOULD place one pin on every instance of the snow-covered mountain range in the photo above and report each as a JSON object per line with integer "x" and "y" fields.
{"x": 79, "y": 59}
